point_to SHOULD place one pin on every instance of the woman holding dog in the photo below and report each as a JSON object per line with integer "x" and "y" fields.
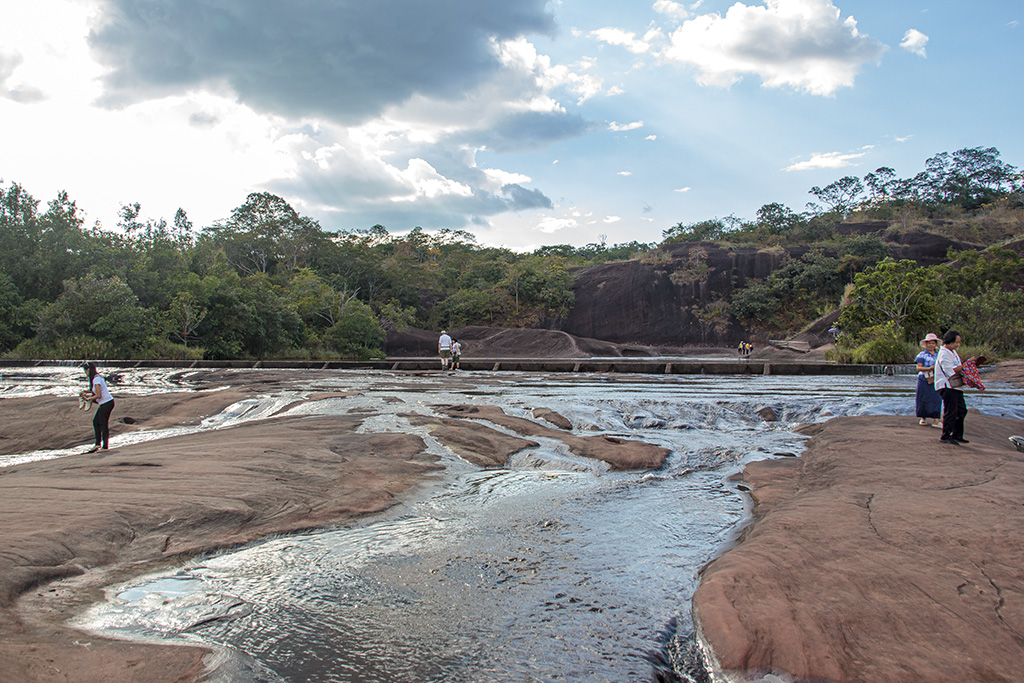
{"x": 99, "y": 394}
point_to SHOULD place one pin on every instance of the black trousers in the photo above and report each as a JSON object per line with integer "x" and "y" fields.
{"x": 954, "y": 410}
{"x": 101, "y": 423}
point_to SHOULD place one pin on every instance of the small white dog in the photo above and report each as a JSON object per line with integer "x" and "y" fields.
{"x": 85, "y": 400}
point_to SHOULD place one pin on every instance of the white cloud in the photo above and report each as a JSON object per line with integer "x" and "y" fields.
{"x": 683, "y": 189}
{"x": 625, "y": 173}
{"x": 626, "y": 39}
{"x": 618, "y": 127}
{"x": 670, "y": 9}
{"x": 612, "y": 219}
{"x": 651, "y": 137}
{"x": 551, "y": 224}
{"x": 520, "y": 55}
{"x": 826, "y": 160}
{"x": 914, "y": 41}
{"x": 804, "y": 44}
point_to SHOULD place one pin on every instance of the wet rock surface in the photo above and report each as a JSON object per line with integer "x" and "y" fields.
{"x": 53, "y": 422}
{"x": 150, "y": 502}
{"x": 879, "y": 555}
{"x": 621, "y": 454}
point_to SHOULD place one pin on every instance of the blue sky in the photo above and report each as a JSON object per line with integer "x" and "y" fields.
{"x": 526, "y": 123}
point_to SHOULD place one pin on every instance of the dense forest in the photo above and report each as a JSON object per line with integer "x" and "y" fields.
{"x": 268, "y": 282}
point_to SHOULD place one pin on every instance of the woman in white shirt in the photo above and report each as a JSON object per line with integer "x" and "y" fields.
{"x": 104, "y": 406}
{"x": 954, "y": 409}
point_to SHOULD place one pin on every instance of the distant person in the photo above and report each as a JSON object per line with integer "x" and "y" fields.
{"x": 456, "y": 353}
{"x": 927, "y": 401}
{"x": 749, "y": 349}
{"x": 100, "y": 395}
{"x": 444, "y": 349}
{"x": 742, "y": 348}
{"x": 834, "y": 331}
{"x": 948, "y": 382}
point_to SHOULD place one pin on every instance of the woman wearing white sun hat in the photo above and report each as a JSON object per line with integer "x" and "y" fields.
{"x": 927, "y": 401}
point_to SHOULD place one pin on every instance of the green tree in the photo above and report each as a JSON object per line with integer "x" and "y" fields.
{"x": 184, "y": 315}
{"x": 899, "y": 293}
{"x": 840, "y": 197}
{"x": 777, "y": 219}
{"x": 357, "y": 333}
{"x": 10, "y": 303}
{"x": 105, "y": 309}
{"x": 701, "y": 231}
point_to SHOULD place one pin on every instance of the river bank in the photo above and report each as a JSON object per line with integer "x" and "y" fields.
{"x": 878, "y": 555}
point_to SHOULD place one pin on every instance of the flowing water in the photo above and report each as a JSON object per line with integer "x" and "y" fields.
{"x": 550, "y": 569}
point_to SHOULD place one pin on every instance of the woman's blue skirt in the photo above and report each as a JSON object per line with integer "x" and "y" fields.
{"x": 929, "y": 403}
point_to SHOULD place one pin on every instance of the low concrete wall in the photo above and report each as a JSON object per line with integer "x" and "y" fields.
{"x": 567, "y": 365}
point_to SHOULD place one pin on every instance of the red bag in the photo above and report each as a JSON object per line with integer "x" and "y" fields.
{"x": 972, "y": 377}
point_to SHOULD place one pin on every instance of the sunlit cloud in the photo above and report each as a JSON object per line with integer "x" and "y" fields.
{"x": 551, "y": 224}
{"x": 914, "y": 41}
{"x": 826, "y": 160}
{"x": 804, "y": 44}
{"x": 621, "y": 38}
{"x": 671, "y": 9}
{"x": 618, "y": 127}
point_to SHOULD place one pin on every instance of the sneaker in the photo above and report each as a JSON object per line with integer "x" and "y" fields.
{"x": 950, "y": 441}
{"x": 93, "y": 449}
{"x": 923, "y": 422}
{"x": 961, "y": 440}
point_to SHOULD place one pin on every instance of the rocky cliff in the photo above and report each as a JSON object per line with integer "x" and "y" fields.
{"x": 653, "y": 300}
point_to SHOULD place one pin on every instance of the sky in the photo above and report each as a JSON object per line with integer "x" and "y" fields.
{"x": 526, "y": 123}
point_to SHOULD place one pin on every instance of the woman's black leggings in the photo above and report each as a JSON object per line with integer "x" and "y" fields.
{"x": 100, "y": 423}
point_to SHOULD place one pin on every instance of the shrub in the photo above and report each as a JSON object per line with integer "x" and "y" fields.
{"x": 883, "y": 344}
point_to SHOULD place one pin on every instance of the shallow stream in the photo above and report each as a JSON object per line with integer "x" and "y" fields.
{"x": 551, "y": 569}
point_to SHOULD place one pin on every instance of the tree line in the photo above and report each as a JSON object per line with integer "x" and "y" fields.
{"x": 269, "y": 282}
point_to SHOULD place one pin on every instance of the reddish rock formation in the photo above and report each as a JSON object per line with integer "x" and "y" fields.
{"x": 652, "y": 299}
{"x": 621, "y": 454}
{"x": 53, "y": 422}
{"x": 551, "y": 416}
{"x": 476, "y": 443}
{"x": 879, "y": 555}
{"x": 81, "y": 514}
{"x": 497, "y": 342}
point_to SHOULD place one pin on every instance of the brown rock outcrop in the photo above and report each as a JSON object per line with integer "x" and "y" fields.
{"x": 879, "y": 555}
{"x": 551, "y": 416}
{"x": 158, "y": 500}
{"x": 476, "y": 443}
{"x": 621, "y": 454}
{"x": 652, "y": 299}
{"x": 54, "y": 422}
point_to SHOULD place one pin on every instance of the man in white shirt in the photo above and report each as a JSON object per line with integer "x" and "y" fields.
{"x": 444, "y": 349}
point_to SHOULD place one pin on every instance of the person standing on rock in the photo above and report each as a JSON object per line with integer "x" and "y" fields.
{"x": 99, "y": 394}
{"x": 948, "y": 381}
{"x": 444, "y": 349}
{"x": 456, "y": 353}
{"x": 927, "y": 401}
